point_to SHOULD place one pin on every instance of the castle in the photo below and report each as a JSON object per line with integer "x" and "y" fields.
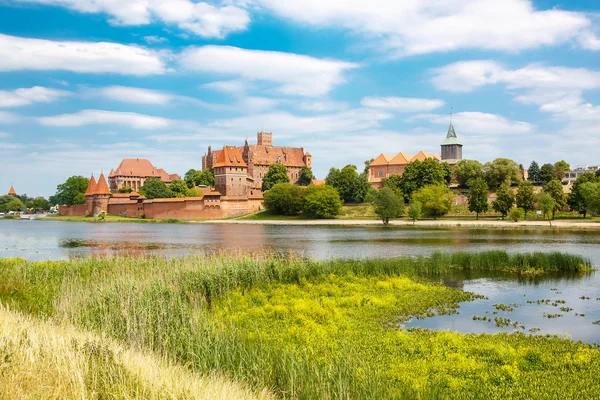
{"x": 133, "y": 172}
{"x": 385, "y": 165}
{"x": 258, "y": 157}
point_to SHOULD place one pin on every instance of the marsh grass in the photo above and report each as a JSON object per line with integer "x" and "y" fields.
{"x": 306, "y": 329}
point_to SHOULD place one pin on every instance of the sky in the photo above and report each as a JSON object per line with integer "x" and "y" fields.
{"x": 85, "y": 83}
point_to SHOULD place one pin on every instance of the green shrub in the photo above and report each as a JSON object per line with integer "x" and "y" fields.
{"x": 284, "y": 199}
{"x": 322, "y": 202}
{"x": 516, "y": 214}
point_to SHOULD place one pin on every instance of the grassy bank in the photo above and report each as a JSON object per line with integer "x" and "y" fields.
{"x": 109, "y": 218}
{"x": 308, "y": 329}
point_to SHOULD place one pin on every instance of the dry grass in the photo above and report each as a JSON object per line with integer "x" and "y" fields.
{"x": 40, "y": 360}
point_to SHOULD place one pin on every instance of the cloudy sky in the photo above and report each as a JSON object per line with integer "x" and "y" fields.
{"x": 84, "y": 83}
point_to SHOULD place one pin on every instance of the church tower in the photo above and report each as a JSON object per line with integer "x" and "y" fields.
{"x": 451, "y": 147}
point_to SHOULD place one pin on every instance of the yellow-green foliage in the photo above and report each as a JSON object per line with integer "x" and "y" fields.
{"x": 41, "y": 360}
{"x": 306, "y": 329}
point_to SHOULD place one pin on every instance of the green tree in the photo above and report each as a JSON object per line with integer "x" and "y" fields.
{"x": 277, "y": 173}
{"x": 66, "y": 193}
{"x": 516, "y": 214}
{"x": 393, "y": 182}
{"x": 351, "y": 186}
{"x": 546, "y": 204}
{"x": 15, "y": 205}
{"x": 436, "y": 200}
{"x": 40, "y": 203}
{"x": 321, "y": 202}
{"x": 178, "y": 187}
{"x": 560, "y": 167}
{"x": 125, "y": 189}
{"x": 4, "y": 200}
{"x": 505, "y": 199}
{"x": 194, "y": 192}
{"x": 546, "y": 174}
{"x": 534, "y": 172}
{"x": 590, "y": 191}
{"x": 555, "y": 189}
{"x": 414, "y": 211}
{"x": 598, "y": 173}
{"x": 284, "y": 199}
{"x": 195, "y": 178}
{"x": 388, "y": 205}
{"x": 478, "y": 196}
{"x": 576, "y": 201}
{"x": 154, "y": 188}
{"x": 467, "y": 170}
{"x": 525, "y": 197}
{"x": 305, "y": 176}
{"x": 418, "y": 174}
{"x": 501, "y": 170}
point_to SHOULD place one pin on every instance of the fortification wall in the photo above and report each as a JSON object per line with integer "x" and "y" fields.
{"x": 79, "y": 210}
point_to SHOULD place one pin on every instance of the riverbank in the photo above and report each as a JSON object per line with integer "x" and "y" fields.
{"x": 304, "y": 329}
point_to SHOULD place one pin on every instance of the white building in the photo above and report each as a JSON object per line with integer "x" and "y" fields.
{"x": 572, "y": 175}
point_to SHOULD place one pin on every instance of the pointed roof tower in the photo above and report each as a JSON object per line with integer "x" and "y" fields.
{"x": 12, "y": 191}
{"x": 102, "y": 187}
{"x": 92, "y": 187}
{"x": 451, "y": 136}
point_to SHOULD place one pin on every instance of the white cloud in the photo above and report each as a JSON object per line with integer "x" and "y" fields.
{"x": 4, "y": 134}
{"x": 477, "y": 123}
{"x": 425, "y": 26}
{"x": 323, "y": 105}
{"x": 92, "y": 117}
{"x": 155, "y": 39}
{"x": 19, "y": 53}
{"x": 291, "y": 73}
{"x": 8, "y": 117}
{"x": 232, "y": 86}
{"x": 26, "y": 96}
{"x": 135, "y": 95}
{"x": 589, "y": 41}
{"x": 402, "y": 104}
{"x": 201, "y": 18}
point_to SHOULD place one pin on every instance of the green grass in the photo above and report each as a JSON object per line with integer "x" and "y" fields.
{"x": 269, "y": 216}
{"x": 309, "y": 329}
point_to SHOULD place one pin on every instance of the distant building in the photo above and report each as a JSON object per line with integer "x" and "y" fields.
{"x": 385, "y": 165}
{"x": 258, "y": 157}
{"x": 133, "y": 172}
{"x": 12, "y": 191}
{"x": 572, "y": 175}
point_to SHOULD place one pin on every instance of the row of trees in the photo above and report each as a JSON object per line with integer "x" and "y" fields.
{"x": 23, "y": 202}
{"x": 547, "y": 172}
{"x": 313, "y": 201}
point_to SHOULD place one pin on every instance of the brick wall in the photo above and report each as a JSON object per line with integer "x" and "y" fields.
{"x": 73, "y": 211}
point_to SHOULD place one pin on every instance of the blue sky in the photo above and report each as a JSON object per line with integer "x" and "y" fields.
{"x": 85, "y": 83}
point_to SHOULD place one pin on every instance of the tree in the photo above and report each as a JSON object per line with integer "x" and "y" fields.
{"x": 66, "y": 193}
{"x": 505, "y": 199}
{"x": 4, "y": 200}
{"x": 546, "y": 204}
{"x": 436, "y": 200}
{"x": 559, "y": 169}
{"x": 351, "y": 186}
{"x": 555, "y": 189}
{"x": 534, "y": 172}
{"x": 516, "y": 214}
{"x": 284, "y": 199}
{"x": 591, "y": 195}
{"x": 478, "y": 197}
{"x": 195, "y": 178}
{"x": 178, "y": 187}
{"x": 321, "y": 202}
{"x": 15, "y": 205}
{"x": 467, "y": 170}
{"x": 154, "y": 188}
{"x": 501, "y": 170}
{"x": 277, "y": 173}
{"x": 598, "y": 173}
{"x": 388, "y": 205}
{"x": 393, "y": 182}
{"x": 546, "y": 174}
{"x": 305, "y": 176}
{"x": 525, "y": 197}
{"x": 418, "y": 174}
{"x": 414, "y": 211}
{"x": 576, "y": 201}
{"x": 125, "y": 189}
{"x": 40, "y": 203}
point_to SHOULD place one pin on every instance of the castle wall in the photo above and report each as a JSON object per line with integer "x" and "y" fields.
{"x": 79, "y": 210}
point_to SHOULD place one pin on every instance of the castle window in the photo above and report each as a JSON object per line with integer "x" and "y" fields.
{"x": 380, "y": 174}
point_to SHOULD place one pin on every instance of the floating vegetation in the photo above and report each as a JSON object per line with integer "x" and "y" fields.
{"x": 533, "y": 330}
{"x": 501, "y": 322}
{"x": 596, "y": 322}
{"x": 546, "y": 315}
{"x": 506, "y": 307}
{"x": 481, "y": 318}
{"x": 566, "y": 309}
{"x": 539, "y": 302}
{"x": 556, "y": 303}
{"x": 579, "y": 315}
{"x": 584, "y": 298}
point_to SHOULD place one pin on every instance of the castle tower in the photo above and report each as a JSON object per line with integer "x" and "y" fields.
{"x": 12, "y": 191}
{"x": 231, "y": 173}
{"x": 307, "y": 159}
{"x": 451, "y": 147}
{"x": 89, "y": 195}
{"x": 101, "y": 196}
{"x": 264, "y": 139}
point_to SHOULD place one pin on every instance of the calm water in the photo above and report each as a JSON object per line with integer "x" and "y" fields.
{"x": 43, "y": 240}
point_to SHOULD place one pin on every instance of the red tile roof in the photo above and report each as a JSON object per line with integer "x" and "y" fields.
{"x": 267, "y": 155}
{"x": 422, "y": 155}
{"x": 92, "y": 187}
{"x": 382, "y": 159}
{"x": 102, "y": 187}
{"x": 12, "y": 191}
{"x": 401, "y": 159}
{"x": 229, "y": 157}
{"x": 141, "y": 167}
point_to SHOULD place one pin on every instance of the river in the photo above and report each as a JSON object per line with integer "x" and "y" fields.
{"x": 52, "y": 240}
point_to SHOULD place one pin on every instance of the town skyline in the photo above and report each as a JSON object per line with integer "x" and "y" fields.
{"x": 96, "y": 82}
